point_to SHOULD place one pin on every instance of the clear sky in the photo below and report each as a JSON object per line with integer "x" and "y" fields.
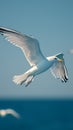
{"x": 51, "y": 22}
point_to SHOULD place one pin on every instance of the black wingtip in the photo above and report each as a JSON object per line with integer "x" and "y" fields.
{"x": 65, "y": 79}
{"x": 6, "y": 30}
{"x": 2, "y": 30}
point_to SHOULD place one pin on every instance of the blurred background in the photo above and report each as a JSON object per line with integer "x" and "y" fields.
{"x": 46, "y": 103}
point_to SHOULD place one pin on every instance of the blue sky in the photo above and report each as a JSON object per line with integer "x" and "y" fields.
{"x": 51, "y": 22}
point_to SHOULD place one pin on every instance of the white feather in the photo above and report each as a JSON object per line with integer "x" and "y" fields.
{"x": 29, "y": 46}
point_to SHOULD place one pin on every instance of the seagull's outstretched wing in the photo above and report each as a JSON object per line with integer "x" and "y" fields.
{"x": 59, "y": 69}
{"x": 29, "y": 46}
{"x": 12, "y": 112}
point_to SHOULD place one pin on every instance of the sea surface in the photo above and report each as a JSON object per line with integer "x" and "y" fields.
{"x": 38, "y": 115}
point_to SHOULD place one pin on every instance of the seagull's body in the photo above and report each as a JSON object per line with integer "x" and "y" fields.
{"x": 39, "y": 63}
{"x": 4, "y": 112}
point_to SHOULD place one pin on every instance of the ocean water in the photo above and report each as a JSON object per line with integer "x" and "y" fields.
{"x": 38, "y": 115}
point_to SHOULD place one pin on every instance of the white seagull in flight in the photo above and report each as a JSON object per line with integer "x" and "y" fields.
{"x": 31, "y": 49}
{"x": 4, "y": 112}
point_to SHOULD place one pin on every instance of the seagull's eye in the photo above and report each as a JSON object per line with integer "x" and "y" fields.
{"x": 55, "y": 58}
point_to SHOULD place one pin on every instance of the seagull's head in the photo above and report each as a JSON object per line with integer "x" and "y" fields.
{"x": 55, "y": 58}
{"x": 59, "y": 57}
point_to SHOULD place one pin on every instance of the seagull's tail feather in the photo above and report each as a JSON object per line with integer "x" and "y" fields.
{"x": 20, "y": 79}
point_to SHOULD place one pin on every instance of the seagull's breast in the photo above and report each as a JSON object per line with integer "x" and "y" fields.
{"x": 40, "y": 67}
{"x": 43, "y": 66}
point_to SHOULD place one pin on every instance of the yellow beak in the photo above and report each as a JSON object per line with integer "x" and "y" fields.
{"x": 60, "y": 60}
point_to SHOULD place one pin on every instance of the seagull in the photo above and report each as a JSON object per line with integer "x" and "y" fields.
{"x": 4, "y": 112}
{"x": 37, "y": 61}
